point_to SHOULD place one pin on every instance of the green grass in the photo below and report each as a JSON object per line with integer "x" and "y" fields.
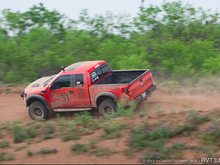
{"x": 211, "y": 135}
{"x": 112, "y": 130}
{"x": 21, "y": 133}
{"x": 85, "y": 131}
{"x": 193, "y": 118}
{"x": 29, "y": 153}
{"x": 92, "y": 144}
{"x": 79, "y": 148}
{"x": 185, "y": 129}
{"x": 47, "y": 151}
{"x": 30, "y": 123}
{"x": 70, "y": 137}
{"x": 30, "y": 133}
{"x": 49, "y": 128}
{"x": 21, "y": 147}
{"x": 7, "y": 90}
{"x": 102, "y": 152}
{"x": 165, "y": 153}
{"x": 151, "y": 136}
{"x": 18, "y": 133}
{"x": 1, "y": 135}
{"x": 61, "y": 120}
{"x": 125, "y": 112}
{"x": 83, "y": 118}
{"x": 129, "y": 152}
{"x": 4, "y": 144}
{"x": 7, "y": 157}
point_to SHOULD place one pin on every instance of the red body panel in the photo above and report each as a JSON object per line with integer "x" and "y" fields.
{"x": 85, "y": 96}
{"x": 117, "y": 90}
{"x": 141, "y": 84}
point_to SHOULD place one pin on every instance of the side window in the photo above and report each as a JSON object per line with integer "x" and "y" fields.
{"x": 79, "y": 82}
{"x": 96, "y": 74}
{"x": 62, "y": 82}
{"x": 99, "y": 72}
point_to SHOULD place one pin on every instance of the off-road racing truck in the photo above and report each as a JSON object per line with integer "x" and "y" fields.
{"x": 86, "y": 85}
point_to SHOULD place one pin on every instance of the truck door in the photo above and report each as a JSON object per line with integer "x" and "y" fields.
{"x": 61, "y": 94}
{"x": 81, "y": 91}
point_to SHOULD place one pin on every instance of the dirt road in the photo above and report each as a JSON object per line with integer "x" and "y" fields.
{"x": 12, "y": 107}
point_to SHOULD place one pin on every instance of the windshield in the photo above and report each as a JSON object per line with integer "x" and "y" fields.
{"x": 49, "y": 80}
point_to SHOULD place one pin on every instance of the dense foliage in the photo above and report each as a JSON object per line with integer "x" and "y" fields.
{"x": 175, "y": 39}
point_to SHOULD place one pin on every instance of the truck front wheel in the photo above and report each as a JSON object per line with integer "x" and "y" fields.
{"x": 37, "y": 111}
{"x": 107, "y": 108}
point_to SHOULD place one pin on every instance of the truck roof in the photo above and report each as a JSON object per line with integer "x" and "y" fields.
{"x": 85, "y": 66}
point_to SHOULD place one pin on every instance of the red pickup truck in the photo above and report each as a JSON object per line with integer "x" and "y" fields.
{"x": 84, "y": 85}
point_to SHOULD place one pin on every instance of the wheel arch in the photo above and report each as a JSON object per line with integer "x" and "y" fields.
{"x": 32, "y": 98}
{"x": 104, "y": 96}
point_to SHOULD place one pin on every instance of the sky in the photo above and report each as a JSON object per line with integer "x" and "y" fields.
{"x": 72, "y": 8}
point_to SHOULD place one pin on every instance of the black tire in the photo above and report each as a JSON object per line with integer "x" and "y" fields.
{"x": 107, "y": 106}
{"x": 37, "y": 111}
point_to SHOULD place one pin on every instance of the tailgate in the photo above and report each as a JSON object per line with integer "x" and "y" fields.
{"x": 141, "y": 83}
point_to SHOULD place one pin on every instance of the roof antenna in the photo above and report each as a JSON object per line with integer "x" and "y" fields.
{"x": 62, "y": 68}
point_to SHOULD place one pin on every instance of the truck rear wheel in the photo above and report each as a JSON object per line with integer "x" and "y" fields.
{"x": 37, "y": 111}
{"x": 107, "y": 108}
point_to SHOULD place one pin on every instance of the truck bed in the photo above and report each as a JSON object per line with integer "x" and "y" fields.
{"x": 121, "y": 77}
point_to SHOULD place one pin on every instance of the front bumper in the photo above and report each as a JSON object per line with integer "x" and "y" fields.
{"x": 148, "y": 92}
{"x": 22, "y": 94}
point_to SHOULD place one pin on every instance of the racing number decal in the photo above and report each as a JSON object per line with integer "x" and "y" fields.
{"x": 63, "y": 97}
{"x": 81, "y": 93}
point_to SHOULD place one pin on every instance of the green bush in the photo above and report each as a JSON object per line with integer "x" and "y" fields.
{"x": 193, "y": 118}
{"x": 70, "y": 137}
{"x": 211, "y": 135}
{"x": 83, "y": 118}
{"x": 79, "y": 147}
{"x": 185, "y": 129}
{"x": 7, "y": 157}
{"x": 29, "y": 153}
{"x": 19, "y": 135}
{"x": 92, "y": 144}
{"x": 30, "y": 133}
{"x": 49, "y": 128}
{"x": 170, "y": 42}
{"x": 1, "y": 135}
{"x": 47, "y": 151}
{"x": 4, "y": 144}
{"x": 150, "y": 136}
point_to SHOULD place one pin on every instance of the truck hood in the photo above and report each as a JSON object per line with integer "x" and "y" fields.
{"x": 40, "y": 82}
{"x": 38, "y": 85}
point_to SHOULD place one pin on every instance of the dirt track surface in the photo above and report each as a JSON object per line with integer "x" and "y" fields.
{"x": 12, "y": 107}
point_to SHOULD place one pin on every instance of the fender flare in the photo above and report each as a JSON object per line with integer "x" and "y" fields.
{"x": 34, "y": 96}
{"x": 115, "y": 98}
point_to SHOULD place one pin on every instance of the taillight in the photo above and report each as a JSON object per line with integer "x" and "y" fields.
{"x": 127, "y": 91}
{"x": 151, "y": 76}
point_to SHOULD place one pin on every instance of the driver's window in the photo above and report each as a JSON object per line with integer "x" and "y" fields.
{"x": 62, "y": 82}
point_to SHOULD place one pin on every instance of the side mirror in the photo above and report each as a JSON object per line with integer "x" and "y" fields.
{"x": 51, "y": 87}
